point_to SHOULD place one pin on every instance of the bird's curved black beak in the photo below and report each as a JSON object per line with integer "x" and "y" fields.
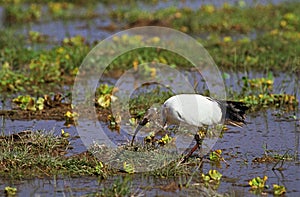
{"x": 140, "y": 125}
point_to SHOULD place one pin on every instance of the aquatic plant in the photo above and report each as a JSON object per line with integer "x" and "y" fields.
{"x": 165, "y": 140}
{"x": 258, "y": 93}
{"x": 213, "y": 175}
{"x": 258, "y": 183}
{"x": 10, "y": 191}
{"x": 216, "y": 155}
{"x": 278, "y": 189}
{"x": 129, "y": 168}
{"x": 71, "y": 118}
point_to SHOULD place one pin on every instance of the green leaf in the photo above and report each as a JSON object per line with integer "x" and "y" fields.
{"x": 10, "y": 191}
{"x": 128, "y": 168}
{"x": 40, "y": 103}
{"x": 205, "y": 177}
{"x": 278, "y": 189}
{"x": 215, "y": 175}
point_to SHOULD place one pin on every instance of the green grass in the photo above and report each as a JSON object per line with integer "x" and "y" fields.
{"x": 271, "y": 49}
{"x": 31, "y": 154}
{"x": 208, "y": 18}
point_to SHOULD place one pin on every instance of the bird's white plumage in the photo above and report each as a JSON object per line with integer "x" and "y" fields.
{"x": 191, "y": 109}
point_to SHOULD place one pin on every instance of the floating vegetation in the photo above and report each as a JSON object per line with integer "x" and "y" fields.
{"x": 216, "y": 155}
{"x": 278, "y": 189}
{"x": 71, "y": 118}
{"x": 10, "y": 80}
{"x": 64, "y": 134}
{"x": 212, "y": 178}
{"x": 266, "y": 100}
{"x": 128, "y": 168}
{"x": 258, "y": 93}
{"x": 10, "y": 191}
{"x": 258, "y": 183}
{"x": 258, "y": 186}
{"x": 213, "y": 175}
{"x": 32, "y": 104}
{"x": 258, "y": 84}
{"x": 18, "y": 12}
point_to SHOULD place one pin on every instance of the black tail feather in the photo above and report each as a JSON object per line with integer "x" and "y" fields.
{"x": 234, "y": 112}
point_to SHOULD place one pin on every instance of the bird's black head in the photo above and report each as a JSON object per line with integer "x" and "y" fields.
{"x": 151, "y": 114}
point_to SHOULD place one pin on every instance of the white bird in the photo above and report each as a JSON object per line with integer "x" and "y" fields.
{"x": 196, "y": 110}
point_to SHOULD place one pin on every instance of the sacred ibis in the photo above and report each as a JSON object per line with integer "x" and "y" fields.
{"x": 196, "y": 110}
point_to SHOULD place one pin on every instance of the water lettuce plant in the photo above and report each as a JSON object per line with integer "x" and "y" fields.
{"x": 258, "y": 183}
{"x": 278, "y": 190}
{"x": 10, "y": 191}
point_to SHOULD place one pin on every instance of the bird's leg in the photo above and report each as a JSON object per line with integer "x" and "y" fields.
{"x": 198, "y": 144}
{"x": 199, "y": 141}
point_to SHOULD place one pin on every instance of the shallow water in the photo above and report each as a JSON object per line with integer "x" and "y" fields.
{"x": 239, "y": 145}
{"x": 246, "y": 144}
